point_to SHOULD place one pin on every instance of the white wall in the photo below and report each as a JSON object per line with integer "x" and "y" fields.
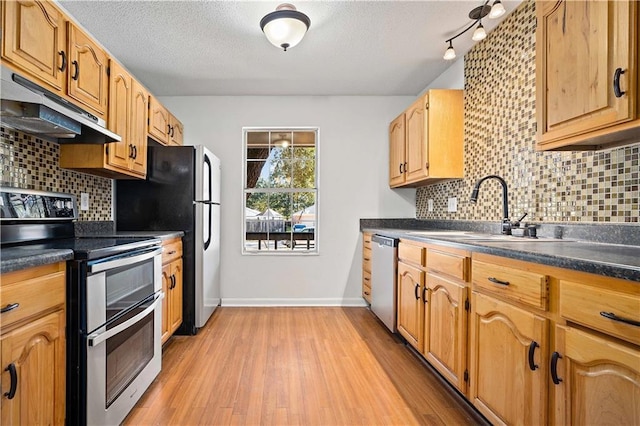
{"x": 353, "y": 160}
{"x": 451, "y": 78}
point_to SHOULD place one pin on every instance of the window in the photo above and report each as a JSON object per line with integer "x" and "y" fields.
{"x": 280, "y": 191}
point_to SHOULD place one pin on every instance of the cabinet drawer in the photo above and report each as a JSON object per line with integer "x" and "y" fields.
{"x": 171, "y": 250}
{"x": 584, "y": 304}
{"x": 411, "y": 253}
{"x": 366, "y": 240}
{"x": 447, "y": 263}
{"x": 34, "y": 290}
{"x": 366, "y": 292}
{"x": 519, "y": 285}
{"x": 366, "y": 259}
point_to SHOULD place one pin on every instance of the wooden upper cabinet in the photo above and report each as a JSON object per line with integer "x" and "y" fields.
{"x": 397, "y": 151}
{"x": 88, "y": 78}
{"x": 587, "y": 73}
{"x": 176, "y": 131}
{"x": 128, "y": 108}
{"x": 432, "y": 140}
{"x": 138, "y": 128}
{"x": 120, "y": 89}
{"x": 34, "y": 40}
{"x": 159, "y": 125}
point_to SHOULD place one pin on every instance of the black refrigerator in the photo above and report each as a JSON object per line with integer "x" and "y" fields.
{"x": 181, "y": 193}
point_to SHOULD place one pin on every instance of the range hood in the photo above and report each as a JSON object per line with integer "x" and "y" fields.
{"x": 36, "y": 111}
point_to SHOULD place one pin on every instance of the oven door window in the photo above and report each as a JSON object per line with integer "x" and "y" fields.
{"x": 127, "y": 286}
{"x": 128, "y": 353}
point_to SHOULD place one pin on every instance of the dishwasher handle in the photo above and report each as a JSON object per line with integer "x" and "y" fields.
{"x": 384, "y": 241}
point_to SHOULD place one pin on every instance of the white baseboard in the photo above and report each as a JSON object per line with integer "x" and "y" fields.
{"x": 354, "y": 301}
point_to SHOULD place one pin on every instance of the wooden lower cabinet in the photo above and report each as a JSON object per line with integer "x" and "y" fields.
{"x": 445, "y": 328}
{"x": 171, "y": 287}
{"x": 33, "y": 346}
{"x": 595, "y": 380}
{"x": 410, "y": 304}
{"x": 509, "y": 362}
{"x": 366, "y": 267}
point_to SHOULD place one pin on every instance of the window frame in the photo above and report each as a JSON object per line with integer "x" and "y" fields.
{"x": 315, "y": 251}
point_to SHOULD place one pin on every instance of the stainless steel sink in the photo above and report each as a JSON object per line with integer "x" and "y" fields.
{"x": 479, "y": 237}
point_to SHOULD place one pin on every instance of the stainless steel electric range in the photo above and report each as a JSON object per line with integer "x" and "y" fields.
{"x": 114, "y": 293}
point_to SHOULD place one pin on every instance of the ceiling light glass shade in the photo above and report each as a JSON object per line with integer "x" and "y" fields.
{"x": 497, "y": 10}
{"x": 285, "y": 27}
{"x": 450, "y": 53}
{"x": 479, "y": 33}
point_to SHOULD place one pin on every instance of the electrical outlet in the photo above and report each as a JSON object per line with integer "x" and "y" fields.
{"x": 84, "y": 201}
{"x": 430, "y": 205}
{"x": 452, "y": 205}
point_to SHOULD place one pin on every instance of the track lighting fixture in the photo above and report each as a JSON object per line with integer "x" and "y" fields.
{"x": 476, "y": 14}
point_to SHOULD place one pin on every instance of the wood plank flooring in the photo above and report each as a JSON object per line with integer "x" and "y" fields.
{"x": 302, "y": 366}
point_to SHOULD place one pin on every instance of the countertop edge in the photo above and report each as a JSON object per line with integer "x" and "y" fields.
{"x": 39, "y": 259}
{"x": 626, "y": 272}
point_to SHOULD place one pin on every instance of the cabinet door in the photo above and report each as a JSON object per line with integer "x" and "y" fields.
{"x": 176, "y": 132}
{"x": 138, "y": 128}
{"x": 37, "y": 352}
{"x": 166, "y": 284}
{"x": 416, "y": 166}
{"x": 158, "y": 121}
{"x": 445, "y": 335}
{"x": 600, "y": 380}
{"x": 397, "y": 151}
{"x": 410, "y": 305}
{"x": 580, "y": 45}
{"x": 88, "y": 79}
{"x": 119, "y": 116}
{"x": 175, "y": 310}
{"x": 33, "y": 39}
{"x": 505, "y": 343}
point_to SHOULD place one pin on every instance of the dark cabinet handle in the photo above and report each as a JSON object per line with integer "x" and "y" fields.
{"x": 64, "y": 60}
{"x": 130, "y": 151}
{"x": 424, "y": 294}
{"x": 135, "y": 152}
{"x": 76, "y": 70}
{"x": 367, "y": 293}
{"x": 614, "y": 317}
{"x": 169, "y": 129}
{"x": 497, "y": 281}
{"x": 554, "y": 368}
{"x": 532, "y": 350}
{"x": 404, "y": 167}
{"x": 173, "y": 128}
{"x": 173, "y": 282}
{"x": 415, "y": 291}
{"x": 616, "y": 83}
{"x": 14, "y": 381}
{"x": 172, "y": 252}
{"x": 9, "y": 307}
{"x": 400, "y": 168}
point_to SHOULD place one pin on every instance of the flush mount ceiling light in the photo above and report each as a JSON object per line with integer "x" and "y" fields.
{"x": 476, "y": 14}
{"x": 285, "y": 27}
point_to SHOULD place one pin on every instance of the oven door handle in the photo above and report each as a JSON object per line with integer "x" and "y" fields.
{"x": 123, "y": 261}
{"x": 94, "y": 339}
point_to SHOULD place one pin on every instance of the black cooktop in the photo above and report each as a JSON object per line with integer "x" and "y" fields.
{"x": 90, "y": 248}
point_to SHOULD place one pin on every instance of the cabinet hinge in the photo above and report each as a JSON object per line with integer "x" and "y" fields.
{"x": 426, "y": 105}
{"x": 467, "y": 305}
{"x": 466, "y": 375}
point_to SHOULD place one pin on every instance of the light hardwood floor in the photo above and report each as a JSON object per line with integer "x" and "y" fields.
{"x": 304, "y": 366}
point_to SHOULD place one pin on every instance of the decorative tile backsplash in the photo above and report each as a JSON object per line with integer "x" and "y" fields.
{"x": 31, "y": 163}
{"x": 500, "y": 134}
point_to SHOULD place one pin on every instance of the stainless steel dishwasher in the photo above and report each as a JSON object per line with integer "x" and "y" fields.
{"x": 384, "y": 261}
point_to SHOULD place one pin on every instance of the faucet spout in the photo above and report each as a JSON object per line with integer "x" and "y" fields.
{"x": 506, "y": 225}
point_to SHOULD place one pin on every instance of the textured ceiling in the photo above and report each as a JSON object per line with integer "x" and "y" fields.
{"x": 217, "y": 47}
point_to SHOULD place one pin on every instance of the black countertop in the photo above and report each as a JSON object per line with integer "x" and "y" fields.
{"x": 612, "y": 260}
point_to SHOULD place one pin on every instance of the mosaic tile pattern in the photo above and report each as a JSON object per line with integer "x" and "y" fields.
{"x": 500, "y": 134}
{"x": 31, "y": 163}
